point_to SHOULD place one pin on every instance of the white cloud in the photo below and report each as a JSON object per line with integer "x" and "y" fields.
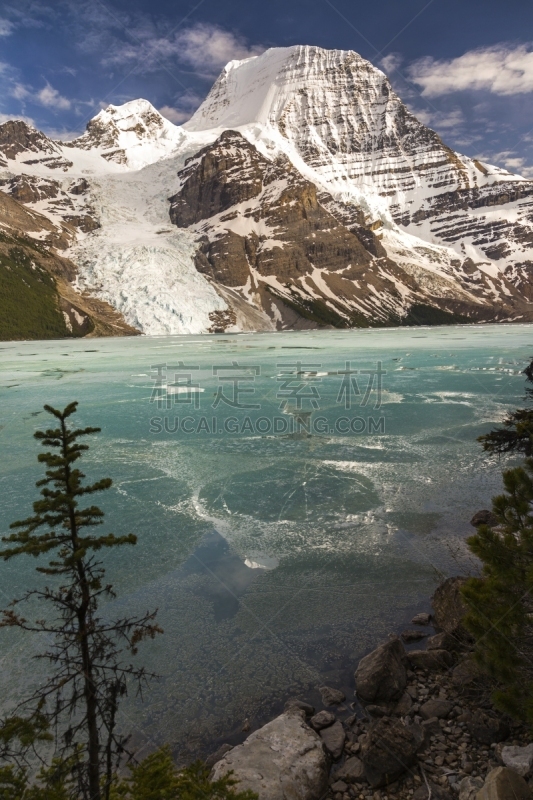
{"x": 174, "y": 114}
{"x": 47, "y": 96}
{"x": 440, "y": 120}
{"x": 391, "y": 62}
{"x": 50, "y": 98}
{"x": 502, "y": 69}
{"x": 205, "y": 47}
{"x": 6, "y": 27}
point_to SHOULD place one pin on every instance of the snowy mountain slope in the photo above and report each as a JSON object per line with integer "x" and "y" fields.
{"x": 413, "y": 221}
{"x": 261, "y": 229}
{"x": 338, "y": 120}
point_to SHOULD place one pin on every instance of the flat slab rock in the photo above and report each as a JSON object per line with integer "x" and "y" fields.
{"x": 283, "y": 760}
{"x": 504, "y": 784}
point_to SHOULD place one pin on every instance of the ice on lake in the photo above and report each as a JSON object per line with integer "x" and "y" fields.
{"x": 276, "y": 555}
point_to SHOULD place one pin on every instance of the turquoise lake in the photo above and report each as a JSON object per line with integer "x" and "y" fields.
{"x": 279, "y": 541}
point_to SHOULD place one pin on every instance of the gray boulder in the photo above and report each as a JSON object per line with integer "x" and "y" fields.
{"x": 469, "y": 787}
{"x": 330, "y": 696}
{"x": 443, "y": 641}
{"x": 381, "y": 676}
{"x": 352, "y": 771}
{"x": 308, "y": 709}
{"x": 435, "y": 708}
{"x": 518, "y": 758}
{"x": 504, "y": 784}
{"x": 487, "y": 728}
{"x": 333, "y": 739}
{"x": 437, "y": 792}
{"x": 448, "y": 606}
{"x": 322, "y": 720}
{"x": 430, "y": 659}
{"x": 423, "y": 618}
{"x": 388, "y": 749}
{"x": 484, "y": 517}
{"x": 283, "y": 760}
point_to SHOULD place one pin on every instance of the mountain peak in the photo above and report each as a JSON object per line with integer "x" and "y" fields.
{"x": 119, "y": 132}
{"x": 260, "y": 88}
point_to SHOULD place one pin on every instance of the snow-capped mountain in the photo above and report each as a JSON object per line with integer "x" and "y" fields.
{"x": 301, "y": 192}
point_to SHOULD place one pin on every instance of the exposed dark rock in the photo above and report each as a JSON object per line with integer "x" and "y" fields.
{"x": 423, "y": 618}
{"x": 435, "y": 708}
{"x": 413, "y": 636}
{"x": 443, "y": 641}
{"x": 389, "y": 748}
{"x": 17, "y": 137}
{"x": 381, "y": 675}
{"x": 333, "y": 738}
{"x": 322, "y": 720}
{"x": 430, "y": 659}
{"x": 484, "y": 517}
{"x": 437, "y": 792}
{"x": 488, "y": 728}
{"x": 351, "y": 771}
{"x": 449, "y": 609}
{"x": 308, "y": 709}
{"x": 330, "y": 696}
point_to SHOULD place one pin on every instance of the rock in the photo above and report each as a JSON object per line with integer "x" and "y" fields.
{"x": 465, "y": 674}
{"x": 437, "y": 792}
{"x": 282, "y": 760}
{"x": 351, "y": 771}
{"x": 421, "y": 619}
{"x": 331, "y": 697}
{"x": 430, "y": 659}
{"x": 379, "y": 711}
{"x": 404, "y": 704}
{"x": 435, "y": 708}
{"x": 381, "y": 675}
{"x": 389, "y": 748}
{"x": 333, "y": 739}
{"x": 449, "y": 607}
{"x": 431, "y": 726}
{"x": 443, "y": 641}
{"x": 322, "y": 720}
{"x": 469, "y": 787}
{"x": 218, "y": 754}
{"x": 413, "y": 636}
{"x": 504, "y": 784}
{"x": 518, "y": 758}
{"x": 339, "y": 786}
{"x": 487, "y": 728}
{"x": 484, "y": 517}
{"x": 308, "y": 709}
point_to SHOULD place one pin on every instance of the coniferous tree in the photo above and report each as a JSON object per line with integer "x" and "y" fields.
{"x": 80, "y": 697}
{"x": 500, "y": 602}
{"x": 517, "y": 432}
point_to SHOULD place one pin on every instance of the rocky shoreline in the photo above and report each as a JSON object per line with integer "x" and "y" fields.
{"x": 422, "y": 726}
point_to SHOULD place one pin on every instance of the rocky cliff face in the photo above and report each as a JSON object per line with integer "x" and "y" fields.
{"x": 336, "y": 115}
{"x": 262, "y": 230}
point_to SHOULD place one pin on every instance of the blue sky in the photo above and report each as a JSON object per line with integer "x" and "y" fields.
{"x": 465, "y": 67}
